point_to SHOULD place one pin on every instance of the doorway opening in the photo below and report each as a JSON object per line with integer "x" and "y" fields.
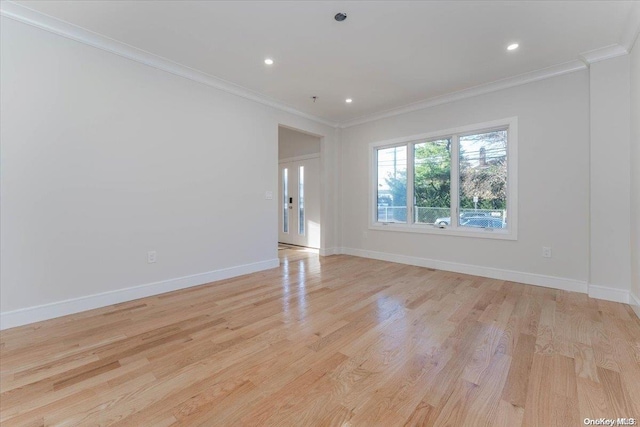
{"x": 298, "y": 189}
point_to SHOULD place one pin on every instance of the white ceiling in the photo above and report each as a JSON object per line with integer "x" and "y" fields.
{"x": 387, "y": 54}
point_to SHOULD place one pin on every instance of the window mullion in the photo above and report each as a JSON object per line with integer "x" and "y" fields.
{"x": 455, "y": 181}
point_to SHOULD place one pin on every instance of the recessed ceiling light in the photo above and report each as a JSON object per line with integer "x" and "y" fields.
{"x": 513, "y": 46}
{"x": 268, "y": 61}
{"x": 348, "y": 100}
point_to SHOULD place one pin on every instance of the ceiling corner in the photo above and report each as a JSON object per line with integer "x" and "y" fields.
{"x": 632, "y": 29}
{"x": 603, "y": 53}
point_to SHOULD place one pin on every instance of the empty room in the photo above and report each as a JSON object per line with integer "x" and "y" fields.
{"x": 319, "y": 213}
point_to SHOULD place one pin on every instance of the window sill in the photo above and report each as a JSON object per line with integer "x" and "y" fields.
{"x": 482, "y": 233}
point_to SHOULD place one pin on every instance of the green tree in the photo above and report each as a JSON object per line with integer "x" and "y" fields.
{"x": 432, "y": 186}
{"x": 398, "y": 188}
{"x": 483, "y": 172}
{"x": 489, "y": 184}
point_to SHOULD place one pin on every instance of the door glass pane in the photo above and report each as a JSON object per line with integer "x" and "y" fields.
{"x": 392, "y": 184}
{"x": 301, "y": 201}
{"x": 432, "y": 182}
{"x": 483, "y": 180}
{"x": 285, "y": 200}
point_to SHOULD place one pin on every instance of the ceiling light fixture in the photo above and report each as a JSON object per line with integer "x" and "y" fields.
{"x": 268, "y": 61}
{"x": 513, "y": 46}
{"x": 348, "y": 100}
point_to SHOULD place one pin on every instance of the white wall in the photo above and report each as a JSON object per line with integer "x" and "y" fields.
{"x": 635, "y": 176}
{"x": 292, "y": 143}
{"x": 104, "y": 159}
{"x": 553, "y": 123}
{"x": 610, "y": 174}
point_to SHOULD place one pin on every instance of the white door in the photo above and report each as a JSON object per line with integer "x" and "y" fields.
{"x": 299, "y": 201}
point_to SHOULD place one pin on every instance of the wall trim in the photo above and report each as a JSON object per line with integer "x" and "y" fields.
{"x": 476, "y": 270}
{"x": 594, "y": 291}
{"x": 298, "y": 158}
{"x": 545, "y": 73}
{"x": 29, "y": 315}
{"x": 36, "y": 19}
{"x": 632, "y": 30}
{"x": 601, "y": 54}
{"x": 328, "y": 251}
{"x": 45, "y": 22}
{"x": 608, "y": 293}
{"x": 634, "y": 301}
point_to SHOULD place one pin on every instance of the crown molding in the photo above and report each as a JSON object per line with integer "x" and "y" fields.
{"x": 603, "y": 53}
{"x": 37, "y": 19}
{"x": 518, "y": 80}
{"x": 632, "y": 29}
{"x": 62, "y": 28}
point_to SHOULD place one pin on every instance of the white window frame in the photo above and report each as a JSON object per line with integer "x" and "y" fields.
{"x": 510, "y": 233}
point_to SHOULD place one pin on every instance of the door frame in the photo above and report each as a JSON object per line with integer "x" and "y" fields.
{"x": 325, "y": 179}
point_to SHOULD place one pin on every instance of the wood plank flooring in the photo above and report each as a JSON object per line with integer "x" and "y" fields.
{"x": 334, "y": 341}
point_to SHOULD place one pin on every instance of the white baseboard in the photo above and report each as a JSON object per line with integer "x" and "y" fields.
{"x": 476, "y": 270}
{"x": 328, "y": 251}
{"x": 28, "y": 315}
{"x": 634, "y": 301}
{"x": 608, "y": 293}
{"x": 594, "y": 291}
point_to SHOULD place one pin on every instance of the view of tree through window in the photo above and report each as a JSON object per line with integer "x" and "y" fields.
{"x": 392, "y": 184}
{"x": 483, "y": 179}
{"x": 423, "y": 178}
{"x": 432, "y": 180}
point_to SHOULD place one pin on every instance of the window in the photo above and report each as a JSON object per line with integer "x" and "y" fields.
{"x": 392, "y": 180}
{"x": 285, "y": 200}
{"x": 301, "y": 200}
{"x": 483, "y": 179}
{"x": 458, "y": 182}
{"x": 431, "y": 180}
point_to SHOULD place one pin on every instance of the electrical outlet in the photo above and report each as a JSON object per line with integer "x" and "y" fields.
{"x": 546, "y": 252}
{"x": 151, "y": 257}
{"x": 268, "y": 195}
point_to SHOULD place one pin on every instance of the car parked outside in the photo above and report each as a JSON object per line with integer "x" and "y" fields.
{"x": 463, "y": 216}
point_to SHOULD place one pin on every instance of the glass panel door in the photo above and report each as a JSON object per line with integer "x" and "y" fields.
{"x": 285, "y": 200}
{"x": 301, "y": 200}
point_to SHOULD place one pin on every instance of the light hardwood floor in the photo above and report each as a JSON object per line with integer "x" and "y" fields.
{"x": 340, "y": 341}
